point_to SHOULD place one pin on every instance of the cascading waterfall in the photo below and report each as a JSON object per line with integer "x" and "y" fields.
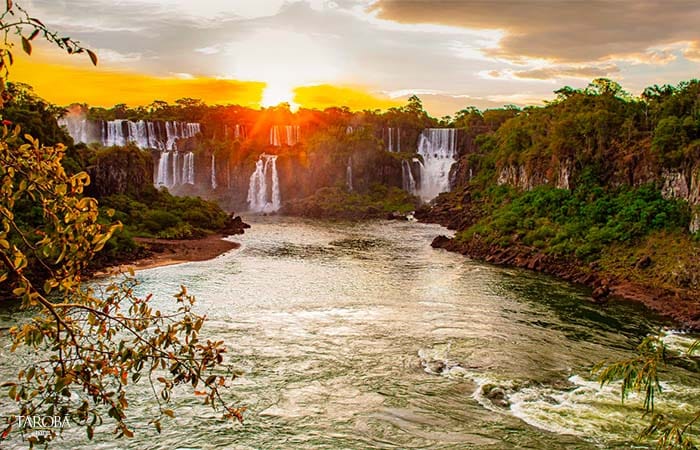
{"x": 409, "y": 183}
{"x": 163, "y": 177}
{"x": 275, "y": 136}
{"x": 238, "y": 132}
{"x": 291, "y": 135}
{"x": 115, "y": 133}
{"x": 145, "y": 134}
{"x": 213, "y": 172}
{"x": 263, "y": 190}
{"x": 438, "y": 147}
{"x": 188, "y": 168}
{"x": 392, "y": 137}
{"x": 174, "y": 168}
{"x": 348, "y": 174}
{"x": 176, "y": 173}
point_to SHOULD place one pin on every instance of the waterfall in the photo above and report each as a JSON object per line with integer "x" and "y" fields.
{"x": 213, "y": 172}
{"x": 238, "y": 132}
{"x": 348, "y": 174}
{"x": 409, "y": 183}
{"x": 438, "y": 147}
{"x": 264, "y": 190}
{"x": 163, "y": 177}
{"x": 393, "y": 143}
{"x": 115, "y": 133}
{"x": 187, "y": 176}
{"x": 291, "y": 135}
{"x": 145, "y": 134}
{"x": 275, "y": 136}
{"x": 174, "y": 173}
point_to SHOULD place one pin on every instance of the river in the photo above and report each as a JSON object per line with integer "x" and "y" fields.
{"x": 363, "y": 336}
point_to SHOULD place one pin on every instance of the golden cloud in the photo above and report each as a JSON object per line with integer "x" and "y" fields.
{"x": 572, "y": 31}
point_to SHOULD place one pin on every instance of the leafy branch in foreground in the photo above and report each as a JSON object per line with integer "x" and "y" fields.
{"x": 640, "y": 374}
{"x": 83, "y": 346}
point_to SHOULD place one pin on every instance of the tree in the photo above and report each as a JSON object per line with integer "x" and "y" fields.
{"x": 83, "y": 347}
{"x": 606, "y": 87}
{"x": 641, "y": 374}
{"x": 80, "y": 340}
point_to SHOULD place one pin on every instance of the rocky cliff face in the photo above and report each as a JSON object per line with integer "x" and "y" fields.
{"x": 300, "y": 175}
{"x": 120, "y": 171}
{"x": 635, "y": 168}
{"x": 677, "y": 184}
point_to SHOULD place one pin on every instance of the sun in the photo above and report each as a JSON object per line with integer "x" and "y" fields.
{"x": 276, "y": 93}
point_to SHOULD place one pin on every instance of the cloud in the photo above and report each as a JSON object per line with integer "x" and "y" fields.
{"x": 692, "y": 51}
{"x": 556, "y": 72}
{"x": 564, "y": 31}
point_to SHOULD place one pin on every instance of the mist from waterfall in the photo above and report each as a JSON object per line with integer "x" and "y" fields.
{"x": 438, "y": 147}
{"x": 145, "y": 134}
{"x": 264, "y": 191}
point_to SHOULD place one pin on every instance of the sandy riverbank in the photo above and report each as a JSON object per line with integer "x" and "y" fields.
{"x": 165, "y": 252}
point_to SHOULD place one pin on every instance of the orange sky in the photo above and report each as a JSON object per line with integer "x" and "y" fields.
{"x": 79, "y": 81}
{"x": 360, "y": 53}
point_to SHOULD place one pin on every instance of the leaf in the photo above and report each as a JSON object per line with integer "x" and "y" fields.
{"x": 34, "y": 34}
{"x": 93, "y": 56}
{"x": 26, "y": 46}
{"x": 169, "y": 413}
{"x": 9, "y": 5}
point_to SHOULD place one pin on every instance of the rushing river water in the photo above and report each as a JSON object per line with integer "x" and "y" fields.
{"x": 363, "y": 336}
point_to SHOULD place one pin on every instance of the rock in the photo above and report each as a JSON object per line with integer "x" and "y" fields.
{"x": 643, "y": 262}
{"x": 235, "y": 225}
{"x": 601, "y": 292}
{"x": 441, "y": 241}
{"x": 496, "y": 394}
{"x": 396, "y": 215}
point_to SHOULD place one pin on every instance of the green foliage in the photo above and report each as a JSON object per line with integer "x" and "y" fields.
{"x": 157, "y": 213}
{"x": 583, "y": 222}
{"x": 36, "y": 116}
{"x": 641, "y": 374}
{"x": 83, "y": 348}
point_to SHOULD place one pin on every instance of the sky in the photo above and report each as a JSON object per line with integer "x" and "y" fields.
{"x": 365, "y": 54}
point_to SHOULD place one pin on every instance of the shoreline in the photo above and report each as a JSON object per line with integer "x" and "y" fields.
{"x": 676, "y": 305}
{"x": 167, "y": 252}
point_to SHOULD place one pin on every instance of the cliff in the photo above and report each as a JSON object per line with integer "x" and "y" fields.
{"x": 597, "y": 188}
